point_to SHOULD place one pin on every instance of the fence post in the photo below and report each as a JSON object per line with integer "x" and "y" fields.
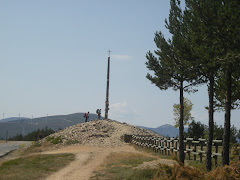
{"x": 172, "y": 139}
{"x": 189, "y": 152}
{"x": 168, "y": 146}
{"x": 216, "y": 151}
{"x": 189, "y": 142}
{"x": 195, "y": 150}
{"x": 201, "y": 144}
{"x": 155, "y": 144}
{"x": 161, "y": 145}
{"x": 176, "y": 148}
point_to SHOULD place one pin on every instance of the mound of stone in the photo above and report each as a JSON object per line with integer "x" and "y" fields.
{"x": 100, "y": 133}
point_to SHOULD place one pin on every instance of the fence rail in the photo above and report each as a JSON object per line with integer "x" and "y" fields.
{"x": 170, "y": 146}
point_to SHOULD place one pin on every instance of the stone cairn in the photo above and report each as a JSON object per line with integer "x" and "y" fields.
{"x": 105, "y": 133}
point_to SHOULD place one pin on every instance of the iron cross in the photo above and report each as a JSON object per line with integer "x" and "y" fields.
{"x": 109, "y": 52}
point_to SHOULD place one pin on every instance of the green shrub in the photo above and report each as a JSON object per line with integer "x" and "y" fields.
{"x": 54, "y": 140}
{"x": 70, "y": 141}
{"x": 57, "y": 140}
{"x": 36, "y": 144}
{"x": 21, "y": 146}
{"x": 49, "y": 138}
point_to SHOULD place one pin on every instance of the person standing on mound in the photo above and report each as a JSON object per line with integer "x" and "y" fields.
{"x": 99, "y": 114}
{"x": 86, "y": 115}
{"x": 98, "y": 111}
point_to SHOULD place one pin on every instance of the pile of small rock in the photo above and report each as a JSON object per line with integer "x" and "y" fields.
{"x": 100, "y": 133}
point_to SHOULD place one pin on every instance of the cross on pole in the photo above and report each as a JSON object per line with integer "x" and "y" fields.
{"x": 109, "y": 52}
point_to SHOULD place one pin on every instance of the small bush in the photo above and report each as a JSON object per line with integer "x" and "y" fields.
{"x": 234, "y": 149}
{"x": 49, "y": 138}
{"x": 54, "y": 140}
{"x": 36, "y": 144}
{"x": 69, "y": 142}
{"x": 21, "y": 146}
{"x": 57, "y": 140}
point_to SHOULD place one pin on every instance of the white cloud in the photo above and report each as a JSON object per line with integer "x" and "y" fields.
{"x": 121, "y": 57}
{"x": 121, "y": 111}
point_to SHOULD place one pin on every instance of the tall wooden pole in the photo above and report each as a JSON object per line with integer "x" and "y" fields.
{"x": 107, "y": 91}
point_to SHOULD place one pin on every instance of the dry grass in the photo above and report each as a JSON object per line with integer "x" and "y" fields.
{"x": 179, "y": 171}
{"x": 37, "y": 147}
{"x": 126, "y": 158}
{"x": 224, "y": 173}
{"x": 122, "y": 166}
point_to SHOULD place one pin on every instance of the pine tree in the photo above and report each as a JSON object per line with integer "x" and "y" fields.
{"x": 228, "y": 40}
{"x": 174, "y": 66}
{"x": 215, "y": 30}
{"x": 201, "y": 16}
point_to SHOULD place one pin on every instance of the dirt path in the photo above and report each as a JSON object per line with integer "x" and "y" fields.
{"x": 87, "y": 160}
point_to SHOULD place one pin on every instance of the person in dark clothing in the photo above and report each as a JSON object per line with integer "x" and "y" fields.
{"x": 86, "y": 115}
{"x": 98, "y": 113}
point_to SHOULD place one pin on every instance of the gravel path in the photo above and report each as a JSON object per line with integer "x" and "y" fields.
{"x": 87, "y": 160}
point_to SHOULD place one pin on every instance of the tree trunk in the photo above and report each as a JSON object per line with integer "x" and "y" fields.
{"x": 227, "y": 125}
{"x": 181, "y": 145}
{"x": 210, "y": 124}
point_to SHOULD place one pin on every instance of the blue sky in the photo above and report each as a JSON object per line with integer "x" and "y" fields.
{"x": 53, "y": 59}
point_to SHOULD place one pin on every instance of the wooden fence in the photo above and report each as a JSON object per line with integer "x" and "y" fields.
{"x": 170, "y": 146}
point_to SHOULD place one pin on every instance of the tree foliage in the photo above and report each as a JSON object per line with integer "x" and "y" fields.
{"x": 204, "y": 47}
{"x": 196, "y": 130}
{"x": 187, "y": 116}
{"x": 214, "y": 30}
{"x": 173, "y": 66}
{"x": 33, "y": 136}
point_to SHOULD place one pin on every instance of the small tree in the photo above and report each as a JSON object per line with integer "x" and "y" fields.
{"x": 196, "y": 129}
{"x": 187, "y": 116}
{"x": 218, "y": 132}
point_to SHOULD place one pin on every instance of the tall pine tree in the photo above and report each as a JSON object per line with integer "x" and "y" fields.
{"x": 215, "y": 27}
{"x": 200, "y": 16}
{"x": 228, "y": 39}
{"x": 173, "y": 68}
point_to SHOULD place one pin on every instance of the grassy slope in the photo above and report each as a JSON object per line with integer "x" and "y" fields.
{"x": 123, "y": 166}
{"x": 27, "y": 165}
{"x": 33, "y": 167}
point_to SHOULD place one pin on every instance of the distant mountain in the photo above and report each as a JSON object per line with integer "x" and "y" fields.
{"x": 12, "y": 119}
{"x": 24, "y": 126}
{"x": 165, "y": 130}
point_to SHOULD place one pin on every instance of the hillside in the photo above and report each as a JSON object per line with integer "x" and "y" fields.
{"x": 165, "y": 130}
{"x": 12, "y": 119}
{"x": 25, "y": 126}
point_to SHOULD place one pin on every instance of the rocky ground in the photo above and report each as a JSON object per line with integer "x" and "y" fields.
{"x": 103, "y": 133}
